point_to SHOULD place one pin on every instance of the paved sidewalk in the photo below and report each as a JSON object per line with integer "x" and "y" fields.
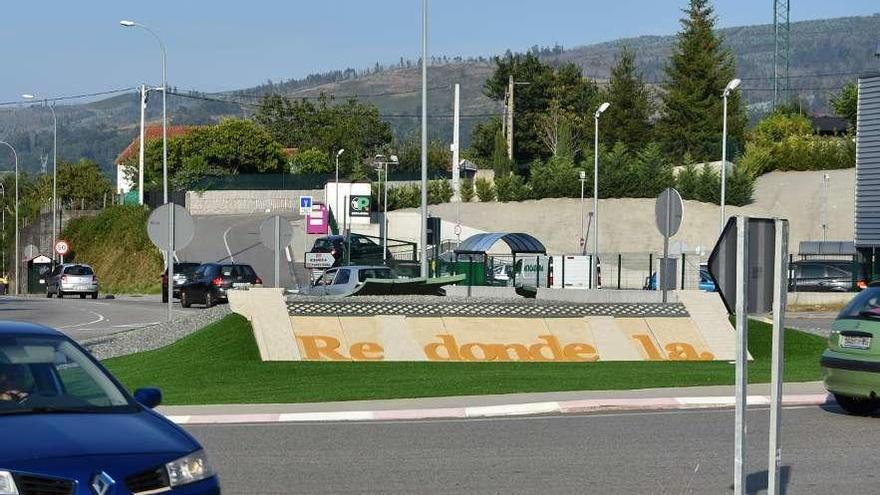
{"x": 811, "y": 393}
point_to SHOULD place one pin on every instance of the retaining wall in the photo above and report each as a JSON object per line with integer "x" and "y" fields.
{"x": 246, "y": 202}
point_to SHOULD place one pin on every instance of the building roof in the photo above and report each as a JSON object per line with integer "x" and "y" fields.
{"x": 152, "y": 133}
{"x": 518, "y": 243}
{"x": 829, "y": 124}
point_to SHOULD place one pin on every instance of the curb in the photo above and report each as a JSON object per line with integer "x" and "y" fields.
{"x": 526, "y": 409}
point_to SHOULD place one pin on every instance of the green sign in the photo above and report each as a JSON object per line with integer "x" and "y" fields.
{"x": 359, "y": 206}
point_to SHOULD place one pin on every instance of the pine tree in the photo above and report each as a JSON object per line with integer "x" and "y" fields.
{"x": 500, "y": 161}
{"x": 698, "y": 71}
{"x": 628, "y": 118}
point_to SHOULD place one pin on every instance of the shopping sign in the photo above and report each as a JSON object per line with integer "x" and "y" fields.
{"x": 319, "y": 260}
{"x": 305, "y": 205}
{"x": 359, "y": 206}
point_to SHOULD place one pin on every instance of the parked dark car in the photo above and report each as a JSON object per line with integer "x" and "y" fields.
{"x": 68, "y": 426}
{"x": 364, "y": 250}
{"x": 211, "y": 281}
{"x": 72, "y": 278}
{"x": 822, "y": 276}
{"x": 183, "y": 271}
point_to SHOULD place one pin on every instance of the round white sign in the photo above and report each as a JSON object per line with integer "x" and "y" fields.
{"x": 62, "y": 248}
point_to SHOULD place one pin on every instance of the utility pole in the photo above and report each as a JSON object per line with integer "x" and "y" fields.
{"x": 423, "y": 238}
{"x": 510, "y": 86}
{"x": 781, "y": 49}
{"x": 142, "y": 146}
{"x": 456, "y": 159}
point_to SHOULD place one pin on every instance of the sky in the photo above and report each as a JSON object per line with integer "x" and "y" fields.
{"x": 63, "y": 47}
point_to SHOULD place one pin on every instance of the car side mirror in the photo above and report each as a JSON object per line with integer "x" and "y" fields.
{"x": 148, "y": 397}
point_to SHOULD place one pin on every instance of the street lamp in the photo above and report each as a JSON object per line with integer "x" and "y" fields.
{"x": 17, "y": 261}
{"x": 3, "y": 214}
{"x": 336, "y": 204}
{"x": 382, "y": 162}
{"x": 54, "y": 171}
{"x": 423, "y": 238}
{"x": 731, "y": 86}
{"x": 583, "y": 178}
{"x": 169, "y": 258}
{"x": 595, "y": 260}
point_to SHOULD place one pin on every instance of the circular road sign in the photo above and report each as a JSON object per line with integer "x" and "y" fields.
{"x": 668, "y": 211}
{"x": 267, "y": 232}
{"x": 457, "y": 229}
{"x": 159, "y": 222}
{"x": 62, "y": 247}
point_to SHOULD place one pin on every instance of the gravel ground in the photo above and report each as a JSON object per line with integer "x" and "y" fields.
{"x": 155, "y": 336}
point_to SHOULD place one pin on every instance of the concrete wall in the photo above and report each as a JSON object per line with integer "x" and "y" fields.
{"x": 246, "y": 202}
{"x": 833, "y": 299}
{"x": 567, "y": 295}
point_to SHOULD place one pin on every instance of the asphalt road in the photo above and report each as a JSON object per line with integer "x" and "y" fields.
{"x": 673, "y": 452}
{"x": 85, "y": 318}
{"x": 225, "y": 238}
{"x": 818, "y": 323}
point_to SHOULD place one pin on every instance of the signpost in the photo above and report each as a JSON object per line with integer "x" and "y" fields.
{"x": 668, "y": 212}
{"x": 319, "y": 260}
{"x": 276, "y": 233}
{"x": 749, "y": 265}
{"x": 305, "y": 205}
{"x": 170, "y": 227}
{"x": 62, "y": 248}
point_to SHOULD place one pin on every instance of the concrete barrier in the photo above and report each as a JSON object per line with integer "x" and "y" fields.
{"x": 833, "y": 299}
{"x": 246, "y": 202}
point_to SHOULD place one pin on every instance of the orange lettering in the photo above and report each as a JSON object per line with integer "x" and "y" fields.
{"x": 552, "y": 344}
{"x": 467, "y": 352}
{"x": 317, "y": 346}
{"x": 580, "y": 352}
{"x": 502, "y": 352}
{"x": 680, "y": 351}
{"x": 367, "y": 351}
{"x": 648, "y": 345}
{"x": 432, "y": 351}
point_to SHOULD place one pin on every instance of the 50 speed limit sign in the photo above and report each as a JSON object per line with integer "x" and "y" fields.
{"x": 62, "y": 248}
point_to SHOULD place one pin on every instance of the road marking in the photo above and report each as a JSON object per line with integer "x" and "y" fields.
{"x": 226, "y": 242}
{"x": 99, "y": 319}
{"x": 136, "y": 325}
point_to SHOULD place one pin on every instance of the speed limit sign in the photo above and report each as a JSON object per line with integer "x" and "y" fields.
{"x": 62, "y": 248}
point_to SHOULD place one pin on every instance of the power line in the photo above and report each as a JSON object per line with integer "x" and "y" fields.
{"x": 69, "y": 97}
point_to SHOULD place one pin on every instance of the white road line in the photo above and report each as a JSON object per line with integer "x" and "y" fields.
{"x": 226, "y": 242}
{"x": 99, "y": 319}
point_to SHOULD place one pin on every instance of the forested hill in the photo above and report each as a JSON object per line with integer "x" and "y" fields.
{"x": 824, "y": 55}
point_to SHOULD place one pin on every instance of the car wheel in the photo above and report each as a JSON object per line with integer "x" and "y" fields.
{"x": 82, "y": 296}
{"x": 95, "y": 295}
{"x": 859, "y": 406}
{"x": 60, "y": 294}
{"x": 48, "y": 295}
{"x": 184, "y": 300}
{"x": 209, "y": 299}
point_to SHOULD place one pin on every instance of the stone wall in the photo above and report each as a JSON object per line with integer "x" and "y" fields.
{"x": 246, "y": 202}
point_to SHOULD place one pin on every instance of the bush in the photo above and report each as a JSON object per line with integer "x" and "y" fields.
{"x": 485, "y": 190}
{"x": 467, "y": 190}
{"x": 511, "y": 187}
{"x": 311, "y": 161}
{"x": 439, "y": 191}
{"x": 704, "y": 184}
{"x": 556, "y": 178}
{"x": 786, "y": 142}
{"x": 405, "y": 196}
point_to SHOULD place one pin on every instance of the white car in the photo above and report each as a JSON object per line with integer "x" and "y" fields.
{"x": 72, "y": 278}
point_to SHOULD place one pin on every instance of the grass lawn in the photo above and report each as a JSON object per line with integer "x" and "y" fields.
{"x": 221, "y": 365}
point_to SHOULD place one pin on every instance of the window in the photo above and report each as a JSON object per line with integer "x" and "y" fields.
{"x": 227, "y": 271}
{"x": 323, "y": 244}
{"x": 342, "y": 277}
{"x": 812, "y": 271}
{"x": 78, "y": 270}
{"x": 326, "y": 278}
{"x": 377, "y": 273}
{"x": 245, "y": 271}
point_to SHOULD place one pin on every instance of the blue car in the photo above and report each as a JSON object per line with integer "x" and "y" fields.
{"x": 68, "y": 427}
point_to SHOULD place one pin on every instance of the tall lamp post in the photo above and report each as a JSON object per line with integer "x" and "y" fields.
{"x": 3, "y": 214}
{"x": 595, "y": 260}
{"x": 731, "y": 86}
{"x": 54, "y": 171}
{"x": 336, "y": 205}
{"x": 423, "y": 238}
{"x": 169, "y": 258}
{"x": 582, "y": 175}
{"x": 381, "y": 162}
{"x": 17, "y": 261}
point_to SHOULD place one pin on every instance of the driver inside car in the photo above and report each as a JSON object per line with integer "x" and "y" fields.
{"x": 13, "y": 385}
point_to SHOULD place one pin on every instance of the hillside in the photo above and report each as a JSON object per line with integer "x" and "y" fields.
{"x": 835, "y": 49}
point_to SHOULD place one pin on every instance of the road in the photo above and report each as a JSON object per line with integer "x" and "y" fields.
{"x": 225, "y": 238}
{"x": 818, "y": 323}
{"x": 672, "y": 452}
{"x": 86, "y": 318}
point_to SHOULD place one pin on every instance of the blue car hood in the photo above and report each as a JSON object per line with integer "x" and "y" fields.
{"x": 29, "y": 440}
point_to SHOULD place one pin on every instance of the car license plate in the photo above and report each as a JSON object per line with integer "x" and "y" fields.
{"x": 82, "y": 287}
{"x": 855, "y": 342}
{"x": 240, "y": 285}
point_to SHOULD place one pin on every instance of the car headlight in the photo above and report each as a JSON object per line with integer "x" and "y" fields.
{"x": 189, "y": 469}
{"x": 7, "y": 484}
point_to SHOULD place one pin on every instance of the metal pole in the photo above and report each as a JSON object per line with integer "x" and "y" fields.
{"x": 595, "y": 260}
{"x": 723, "y": 165}
{"x": 278, "y": 251}
{"x": 456, "y": 157}
{"x": 583, "y": 245}
{"x": 742, "y": 343}
{"x": 664, "y": 265}
{"x": 780, "y": 289}
{"x": 54, "y": 178}
{"x": 169, "y": 259}
{"x": 17, "y": 262}
{"x": 336, "y": 204}
{"x": 142, "y": 146}
{"x": 385, "y": 216}
{"x": 424, "y": 234}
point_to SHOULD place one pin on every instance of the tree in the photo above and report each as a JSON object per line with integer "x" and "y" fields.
{"x": 409, "y": 152}
{"x": 846, "y": 103}
{"x": 556, "y": 131}
{"x": 555, "y": 178}
{"x": 311, "y": 161}
{"x": 627, "y": 120}
{"x": 698, "y": 72}
{"x": 81, "y": 184}
{"x": 500, "y": 160}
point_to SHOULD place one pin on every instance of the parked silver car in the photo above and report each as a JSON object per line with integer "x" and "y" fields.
{"x": 345, "y": 279}
{"x": 72, "y": 278}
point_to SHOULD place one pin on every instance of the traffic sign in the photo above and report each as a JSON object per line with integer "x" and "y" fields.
{"x": 668, "y": 212}
{"x": 158, "y": 227}
{"x": 457, "y": 229}
{"x": 62, "y": 247}
{"x": 267, "y": 232}
{"x": 305, "y": 205}
{"x": 319, "y": 260}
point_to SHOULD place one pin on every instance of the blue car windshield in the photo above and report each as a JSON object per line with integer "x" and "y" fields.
{"x": 42, "y": 375}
